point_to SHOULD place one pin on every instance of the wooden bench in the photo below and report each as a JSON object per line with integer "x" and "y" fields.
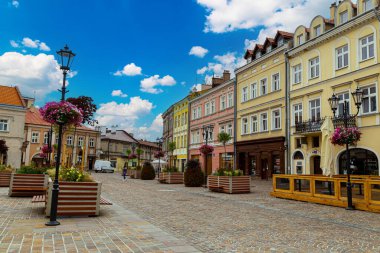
{"x": 42, "y": 199}
{"x": 5, "y": 179}
{"x": 27, "y": 185}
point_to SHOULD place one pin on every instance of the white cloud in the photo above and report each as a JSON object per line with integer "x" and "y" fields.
{"x": 44, "y": 47}
{"x": 228, "y": 61}
{"x": 198, "y": 51}
{"x": 15, "y": 3}
{"x": 198, "y": 87}
{"x": 14, "y": 43}
{"x": 31, "y": 73}
{"x": 118, "y": 93}
{"x": 129, "y": 70}
{"x": 152, "y": 131}
{"x": 150, "y": 84}
{"x": 28, "y": 42}
{"x": 201, "y": 71}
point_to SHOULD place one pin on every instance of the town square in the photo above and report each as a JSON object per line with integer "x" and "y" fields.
{"x": 189, "y": 126}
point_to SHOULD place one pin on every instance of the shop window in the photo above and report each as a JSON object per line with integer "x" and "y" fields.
{"x": 226, "y": 160}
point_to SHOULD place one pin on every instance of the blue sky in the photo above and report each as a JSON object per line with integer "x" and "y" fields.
{"x": 156, "y": 36}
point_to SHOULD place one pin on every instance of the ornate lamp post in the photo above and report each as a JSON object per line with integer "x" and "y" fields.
{"x": 357, "y": 95}
{"x": 66, "y": 57}
{"x": 159, "y": 143}
{"x": 206, "y": 132}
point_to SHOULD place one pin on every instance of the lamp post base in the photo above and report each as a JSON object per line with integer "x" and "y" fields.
{"x": 350, "y": 208}
{"x": 52, "y": 223}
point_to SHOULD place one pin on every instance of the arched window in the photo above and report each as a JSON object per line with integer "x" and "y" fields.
{"x": 298, "y": 155}
{"x": 298, "y": 162}
{"x": 363, "y": 162}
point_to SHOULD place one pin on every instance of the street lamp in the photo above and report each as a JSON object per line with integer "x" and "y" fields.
{"x": 334, "y": 103}
{"x": 66, "y": 57}
{"x": 159, "y": 143}
{"x": 207, "y": 133}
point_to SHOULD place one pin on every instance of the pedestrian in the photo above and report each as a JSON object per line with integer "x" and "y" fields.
{"x": 125, "y": 171}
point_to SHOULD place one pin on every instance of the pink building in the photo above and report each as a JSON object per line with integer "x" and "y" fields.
{"x": 214, "y": 108}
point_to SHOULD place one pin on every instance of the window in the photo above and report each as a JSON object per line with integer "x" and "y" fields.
{"x": 314, "y": 68}
{"x": 280, "y": 41}
{"x": 244, "y": 94}
{"x": 254, "y": 124}
{"x": 342, "y": 98}
{"x": 297, "y": 74}
{"x": 56, "y": 140}
{"x": 69, "y": 140}
{"x": 46, "y": 138}
{"x": 298, "y": 143}
{"x": 263, "y": 86}
{"x": 315, "y": 110}
{"x": 276, "y": 82}
{"x": 249, "y": 60}
{"x": 4, "y": 125}
{"x": 194, "y": 113}
{"x": 264, "y": 122}
{"x": 92, "y": 142}
{"x": 223, "y": 102}
{"x": 342, "y": 57}
{"x": 199, "y": 112}
{"x": 230, "y": 99}
{"x": 244, "y": 125}
{"x": 35, "y": 137}
{"x": 222, "y": 129}
{"x": 258, "y": 54}
{"x": 300, "y": 39}
{"x": 343, "y": 17}
{"x": 276, "y": 119}
{"x": 253, "y": 90}
{"x": 229, "y": 129}
{"x": 269, "y": 49}
{"x": 316, "y": 142}
{"x": 367, "y": 48}
{"x": 367, "y": 5}
{"x": 80, "y": 141}
{"x": 297, "y": 112}
{"x": 317, "y": 30}
{"x": 213, "y": 106}
{"x": 369, "y": 100}
{"x": 207, "y": 108}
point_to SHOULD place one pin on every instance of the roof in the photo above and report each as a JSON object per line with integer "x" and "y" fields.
{"x": 148, "y": 143}
{"x": 285, "y": 34}
{"x": 34, "y": 117}
{"x": 118, "y": 135}
{"x": 11, "y": 96}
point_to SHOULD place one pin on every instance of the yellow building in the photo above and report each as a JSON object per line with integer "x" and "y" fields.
{"x": 261, "y": 108}
{"x": 180, "y": 129}
{"x": 335, "y": 55}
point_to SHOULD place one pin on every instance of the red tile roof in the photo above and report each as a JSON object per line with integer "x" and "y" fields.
{"x": 148, "y": 143}
{"x": 285, "y": 34}
{"x": 10, "y": 96}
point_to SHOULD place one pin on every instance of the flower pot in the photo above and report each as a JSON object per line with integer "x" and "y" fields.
{"x": 76, "y": 199}
{"x": 5, "y": 179}
{"x": 229, "y": 184}
{"x": 28, "y": 185}
{"x": 171, "y": 177}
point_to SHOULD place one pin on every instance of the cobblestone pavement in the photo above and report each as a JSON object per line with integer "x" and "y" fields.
{"x": 255, "y": 222}
{"x": 22, "y": 230}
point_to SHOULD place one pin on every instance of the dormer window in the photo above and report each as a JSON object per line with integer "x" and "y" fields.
{"x": 258, "y": 54}
{"x": 317, "y": 30}
{"x": 300, "y": 39}
{"x": 367, "y": 5}
{"x": 249, "y": 60}
{"x": 269, "y": 48}
{"x": 280, "y": 41}
{"x": 343, "y": 17}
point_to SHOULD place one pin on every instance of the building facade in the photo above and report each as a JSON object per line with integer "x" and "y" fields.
{"x": 148, "y": 149}
{"x": 335, "y": 55}
{"x": 12, "y": 120}
{"x": 215, "y": 108}
{"x": 180, "y": 130}
{"x": 261, "y": 108}
{"x": 167, "y": 134}
{"x": 80, "y": 146}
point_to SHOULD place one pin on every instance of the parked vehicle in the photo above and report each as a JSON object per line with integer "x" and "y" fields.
{"x": 103, "y": 166}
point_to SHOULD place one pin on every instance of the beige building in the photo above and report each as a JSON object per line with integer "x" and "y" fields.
{"x": 12, "y": 120}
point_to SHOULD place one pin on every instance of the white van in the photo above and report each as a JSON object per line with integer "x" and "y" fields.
{"x": 103, "y": 166}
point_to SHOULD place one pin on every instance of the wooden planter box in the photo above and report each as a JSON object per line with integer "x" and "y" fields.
{"x": 226, "y": 184}
{"x": 75, "y": 199}
{"x": 5, "y": 179}
{"x": 28, "y": 185}
{"x": 136, "y": 174}
{"x": 171, "y": 177}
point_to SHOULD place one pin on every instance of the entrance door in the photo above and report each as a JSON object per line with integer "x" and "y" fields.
{"x": 317, "y": 165}
{"x": 264, "y": 169}
{"x": 183, "y": 165}
{"x": 90, "y": 162}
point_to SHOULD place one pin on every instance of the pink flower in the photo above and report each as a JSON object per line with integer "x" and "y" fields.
{"x": 206, "y": 149}
{"x": 341, "y": 136}
{"x": 61, "y": 112}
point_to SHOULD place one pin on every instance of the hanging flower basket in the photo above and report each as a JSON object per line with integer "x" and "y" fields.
{"x": 46, "y": 150}
{"x": 159, "y": 154}
{"x": 350, "y": 135}
{"x": 132, "y": 156}
{"x": 206, "y": 149}
{"x": 62, "y": 113}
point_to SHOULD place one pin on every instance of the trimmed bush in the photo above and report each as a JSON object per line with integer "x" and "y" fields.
{"x": 147, "y": 172}
{"x": 193, "y": 176}
{"x": 31, "y": 170}
{"x": 170, "y": 169}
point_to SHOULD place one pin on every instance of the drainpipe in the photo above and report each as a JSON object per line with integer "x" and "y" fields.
{"x": 235, "y": 120}
{"x": 287, "y": 108}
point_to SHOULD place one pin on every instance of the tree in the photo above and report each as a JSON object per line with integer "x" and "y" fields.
{"x": 223, "y": 138}
{"x": 128, "y": 153}
{"x": 171, "y": 148}
{"x": 139, "y": 152}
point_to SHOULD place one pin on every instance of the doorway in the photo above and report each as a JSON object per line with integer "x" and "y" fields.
{"x": 264, "y": 169}
{"x": 317, "y": 165}
{"x": 90, "y": 163}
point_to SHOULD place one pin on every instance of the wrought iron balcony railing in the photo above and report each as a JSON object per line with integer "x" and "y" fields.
{"x": 339, "y": 121}
{"x": 309, "y": 126}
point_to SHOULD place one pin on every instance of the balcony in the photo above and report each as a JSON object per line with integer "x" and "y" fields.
{"x": 339, "y": 121}
{"x": 309, "y": 126}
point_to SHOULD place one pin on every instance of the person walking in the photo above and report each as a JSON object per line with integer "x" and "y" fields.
{"x": 125, "y": 172}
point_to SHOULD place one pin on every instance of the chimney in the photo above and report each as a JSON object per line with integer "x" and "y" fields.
{"x": 226, "y": 75}
{"x": 332, "y": 11}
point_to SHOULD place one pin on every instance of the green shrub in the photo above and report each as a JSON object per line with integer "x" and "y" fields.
{"x": 31, "y": 170}
{"x": 193, "y": 176}
{"x": 5, "y": 169}
{"x": 170, "y": 169}
{"x": 147, "y": 172}
{"x": 228, "y": 172}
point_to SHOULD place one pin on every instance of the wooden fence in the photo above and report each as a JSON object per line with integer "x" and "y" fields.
{"x": 329, "y": 190}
